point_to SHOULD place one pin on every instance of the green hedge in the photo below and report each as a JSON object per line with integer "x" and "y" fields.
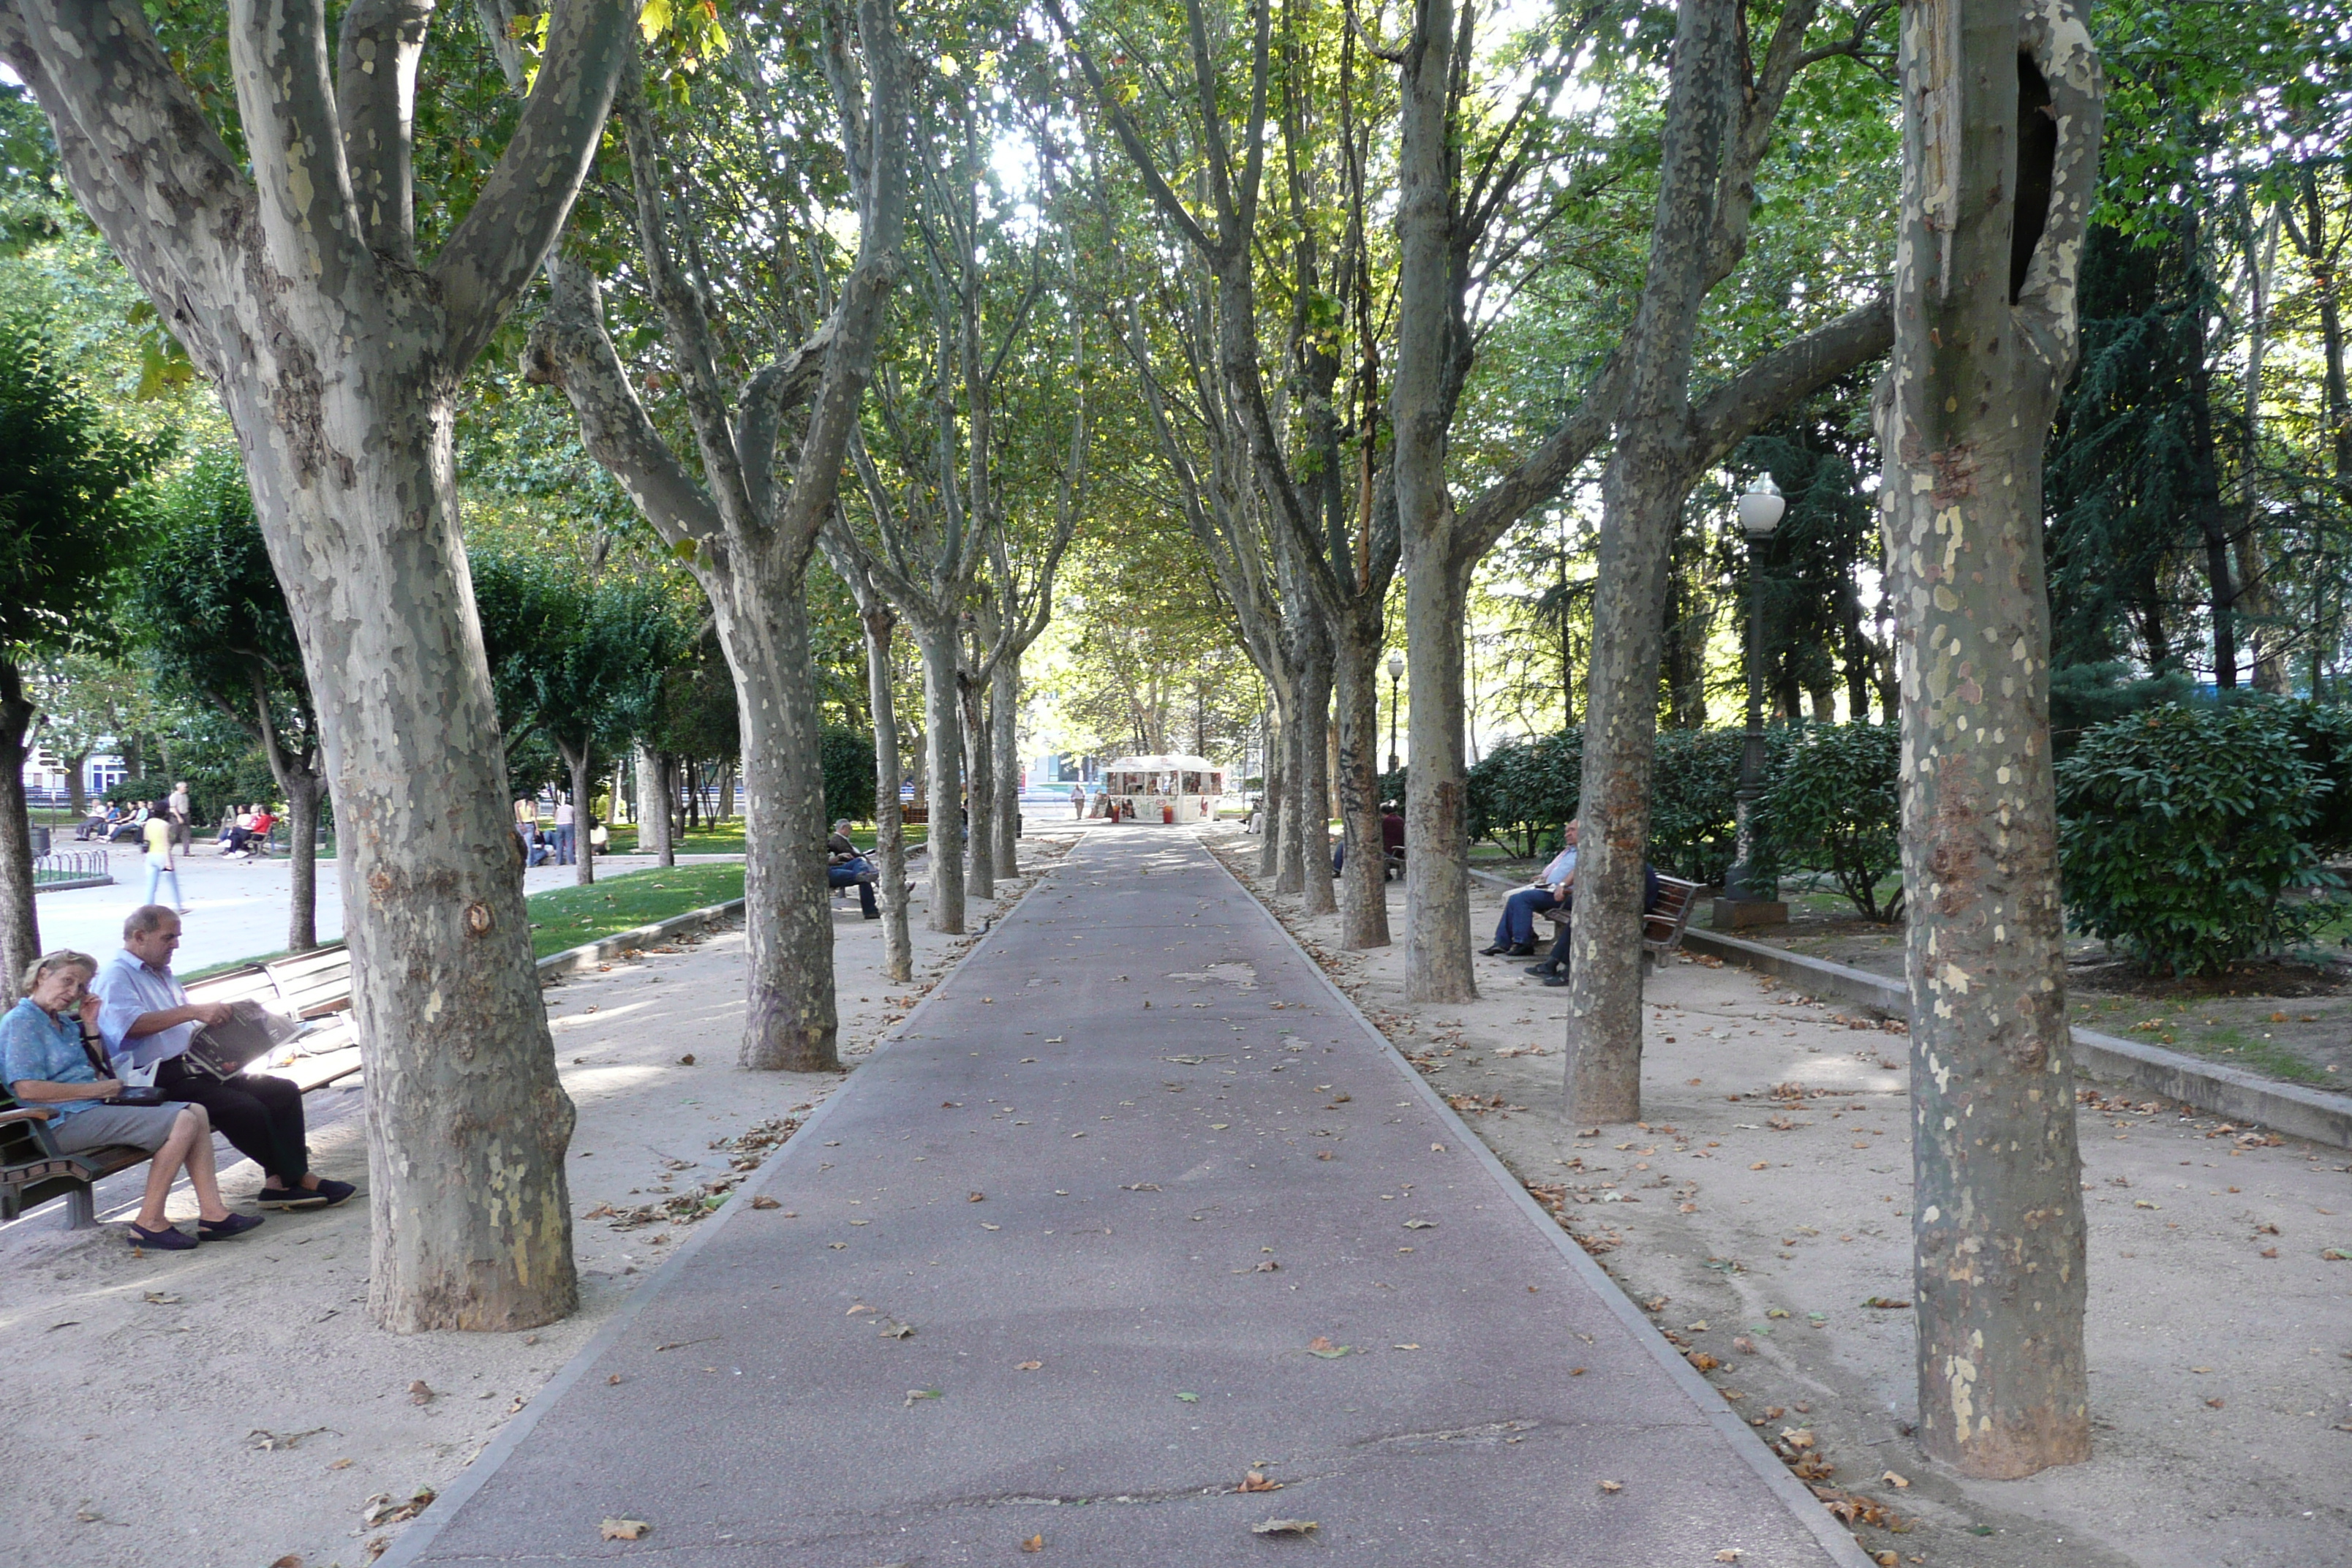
{"x": 1834, "y": 806}
{"x": 2181, "y": 827}
{"x": 847, "y": 758}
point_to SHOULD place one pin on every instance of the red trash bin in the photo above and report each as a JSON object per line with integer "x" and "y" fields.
{"x": 1167, "y": 812}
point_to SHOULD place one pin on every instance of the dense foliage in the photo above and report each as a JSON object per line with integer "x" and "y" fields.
{"x": 2183, "y": 828}
{"x": 1834, "y": 806}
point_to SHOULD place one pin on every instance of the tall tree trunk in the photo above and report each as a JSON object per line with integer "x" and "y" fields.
{"x": 943, "y": 767}
{"x": 462, "y": 1092}
{"x": 576, "y": 763}
{"x": 20, "y": 926}
{"x": 1642, "y": 493}
{"x": 725, "y": 791}
{"x": 889, "y": 831}
{"x": 791, "y": 1021}
{"x": 2000, "y": 134}
{"x": 1271, "y": 807}
{"x": 980, "y": 786}
{"x": 1004, "y": 720}
{"x": 2205, "y": 493}
{"x": 1438, "y": 965}
{"x": 1311, "y": 782}
{"x": 1364, "y": 899}
{"x": 76, "y": 788}
{"x": 653, "y": 807}
{"x": 303, "y": 787}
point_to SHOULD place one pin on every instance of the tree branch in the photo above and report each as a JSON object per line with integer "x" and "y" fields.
{"x": 522, "y": 206}
{"x": 376, "y": 52}
{"x": 1788, "y": 375}
{"x": 570, "y": 350}
{"x": 1537, "y": 477}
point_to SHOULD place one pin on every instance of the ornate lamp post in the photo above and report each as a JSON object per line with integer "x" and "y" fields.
{"x": 1759, "y": 513}
{"x": 1396, "y": 673}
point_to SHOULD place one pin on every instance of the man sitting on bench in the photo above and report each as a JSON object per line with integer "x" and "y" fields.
{"x": 845, "y": 866}
{"x": 148, "y": 1021}
{"x": 48, "y": 1061}
{"x": 1515, "y": 933}
{"x": 1553, "y": 970}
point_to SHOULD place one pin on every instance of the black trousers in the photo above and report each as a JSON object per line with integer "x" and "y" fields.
{"x": 260, "y": 1117}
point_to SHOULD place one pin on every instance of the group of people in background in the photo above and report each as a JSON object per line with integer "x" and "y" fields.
{"x": 557, "y": 845}
{"x": 163, "y": 828}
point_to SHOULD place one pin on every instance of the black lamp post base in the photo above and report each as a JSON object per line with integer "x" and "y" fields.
{"x": 1732, "y": 914}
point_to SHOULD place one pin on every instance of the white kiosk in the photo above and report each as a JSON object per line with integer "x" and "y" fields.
{"x": 1161, "y": 789}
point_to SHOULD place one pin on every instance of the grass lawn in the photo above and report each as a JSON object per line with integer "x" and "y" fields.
{"x": 727, "y": 839}
{"x": 566, "y": 917}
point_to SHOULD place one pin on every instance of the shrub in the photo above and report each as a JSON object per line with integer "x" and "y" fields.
{"x": 846, "y": 756}
{"x": 1694, "y": 801}
{"x": 2179, "y": 827}
{"x": 1834, "y": 806}
{"x": 1522, "y": 788}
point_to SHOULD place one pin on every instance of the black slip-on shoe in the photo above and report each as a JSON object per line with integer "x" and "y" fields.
{"x": 292, "y": 1198}
{"x": 171, "y": 1238}
{"x": 222, "y": 1229}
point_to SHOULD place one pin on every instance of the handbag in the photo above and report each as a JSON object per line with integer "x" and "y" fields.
{"x": 128, "y": 1093}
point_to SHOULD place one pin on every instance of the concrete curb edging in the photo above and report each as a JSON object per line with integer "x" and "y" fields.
{"x": 573, "y": 959}
{"x": 1843, "y": 1549}
{"x": 413, "y": 1542}
{"x": 2290, "y": 1108}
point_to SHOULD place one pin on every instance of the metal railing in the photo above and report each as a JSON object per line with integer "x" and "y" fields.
{"x": 72, "y": 866}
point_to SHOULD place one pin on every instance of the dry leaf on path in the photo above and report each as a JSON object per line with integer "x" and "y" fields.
{"x": 292, "y": 1560}
{"x": 1320, "y": 1346}
{"x": 1729, "y": 1555}
{"x": 1255, "y": 1481}
{"x": 1285, "y": 1527}
{"x": 623, "y": 1529}
{"x": 1029, "y": 1366}
{"x": 1035, "y": 1544}
{"x": 161, "y": 1298}
{"x": 1891, "y": 1479}
{"x": 418, "y": 1394}
{"x": 1613, "y": 1486}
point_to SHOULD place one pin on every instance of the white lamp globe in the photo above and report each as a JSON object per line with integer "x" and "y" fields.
{"x": 1760, "y": 507}
{"x": 1396, "y": 667}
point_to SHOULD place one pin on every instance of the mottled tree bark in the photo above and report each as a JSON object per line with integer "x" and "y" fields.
{"x": 654, "y": 795}
{"x": 1310, "y": 772}
{"x": 889, "y": 831}
{"x": 20, "y": 924}
{"x": 2000, "y": 150}
{"x": 289, "y": 272}
{"x": 943, "y": 762}
{"x": 1004, "y": 725}
{"x": 979, "y": 785}
{"x": 1363, "y": 881}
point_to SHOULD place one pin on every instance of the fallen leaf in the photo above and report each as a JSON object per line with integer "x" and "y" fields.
{"x": 2213, "y": 1403}
{"x": 340, "y": 1465}
{"x": 1035, "y": 1544}
{"x": 898, "y": 1331}
{"x": 292, "y": 1560}
{"x": 1886, "y": 1303}
{"x": 1255, "y": 1481}
{"x": 1760, "y": 1165}
{"x": 161, "y": 1298}
{"x": 1744, "y": 1345}
{"x": 418, "y": 1394}
{"x": 1702, "y": 1361}
{"x": 2270, "y": 1252}
{"x": 1285, "y": 1527}
{"x": 1421, "y": 1225}
{"x": 764, "y": 1202}
{"x": 975, "y": 1197}
{"x": 1613, "y": 1486}
{"x": 1320, "y": 1346}
{"x": 1891, "y": 1479}
{"x": 985, "y": 1226}
{"x": 685, "y": 1061}
{"x": 1190, "y": 1398}
{"x": 1029, "y": 1366}
{"x": 623, "y": 1529}
{"x": 1729, "y": 1554}
{"x": 915, "y": 1393}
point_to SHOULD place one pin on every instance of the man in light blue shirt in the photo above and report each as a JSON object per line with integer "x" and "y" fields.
{"x": 1515, "y": 933}
{"x": 147, "y": 1021}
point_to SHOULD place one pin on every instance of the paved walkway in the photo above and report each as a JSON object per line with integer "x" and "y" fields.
{"x": 1123, "y": 1179}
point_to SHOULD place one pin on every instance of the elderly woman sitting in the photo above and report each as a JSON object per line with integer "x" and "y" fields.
{"x": 50, "y": 1060}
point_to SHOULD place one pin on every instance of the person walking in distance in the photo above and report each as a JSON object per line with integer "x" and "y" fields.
{"x": 183, "y": 832}
{"x": 147, "y": 1024}
{"x": 161, "y": 868}
{"x": 566, "y": 833}
{"x": 1077, "y": 802}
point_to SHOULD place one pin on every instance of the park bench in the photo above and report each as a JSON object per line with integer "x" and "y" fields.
{"x": 1662, "y": 928}
{"x": 315, "y": 985}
